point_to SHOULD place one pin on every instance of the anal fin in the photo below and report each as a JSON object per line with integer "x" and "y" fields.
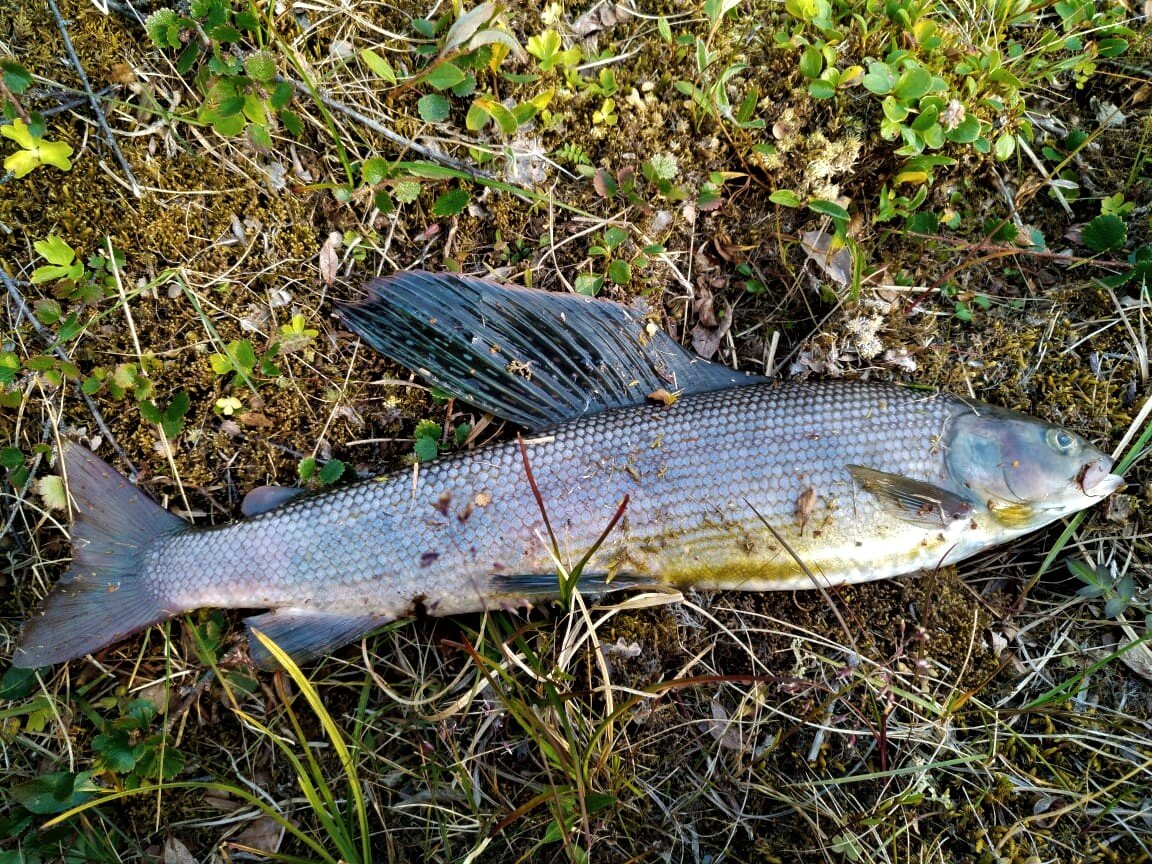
{"x": 304, "y": 634}
{"x": 912, "y": 500}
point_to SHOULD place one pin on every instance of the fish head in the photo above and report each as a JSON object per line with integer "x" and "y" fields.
{"x": 1025, "y": 471}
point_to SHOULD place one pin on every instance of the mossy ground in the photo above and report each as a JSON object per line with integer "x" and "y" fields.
{"x": 884, "y": 722}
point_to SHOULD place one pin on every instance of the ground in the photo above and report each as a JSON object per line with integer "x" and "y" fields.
{"x": 948, "y": 199}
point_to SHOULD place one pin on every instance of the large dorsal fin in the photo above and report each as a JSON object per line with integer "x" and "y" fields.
{"x": 530, "y": 356}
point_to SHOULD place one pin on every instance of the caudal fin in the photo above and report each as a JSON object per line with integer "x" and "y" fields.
{"x": 103, "y": 597}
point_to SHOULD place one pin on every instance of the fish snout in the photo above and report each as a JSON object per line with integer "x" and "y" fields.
{"x": 1096, "y": 479}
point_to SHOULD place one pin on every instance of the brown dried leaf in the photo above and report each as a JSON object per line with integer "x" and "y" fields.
{"x": 263, "y": 835}
{"x": 254, "y": 418}
{"x": 827, "y": 253}
{"x": 176, "y": 852}
{"x": 329, "y": 257}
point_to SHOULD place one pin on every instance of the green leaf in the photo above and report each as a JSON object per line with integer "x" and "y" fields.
{"x": 913, "y": 84}
{"x": 588, "y": 284}
{"x": 504, "y": 118}
{"x": 620, "y": 272}
{"x": 828, "y": 208}
{"x": 332, "y": 471}
{"x": 281, "y": 96}
{"x": 54, "y": 792}
{"x": 477, "y": 117}
{"x": 374, "y": 170}
{"x": 117, "y": 752}
{"x": 821, "y": 89}
{"x": 426, "y": 449}
{"x": 444, "y": 75}
{"x": 785, "y": 198}
{"x": 47, "y": 311}
{"x": 812, "y": 62}
{"x": 1105, "y": 233}
{"x": 433, "y": 108}
{"x": 16, "y": 77}
{"x": 17, "y": 684}
{"x": 11, "y": 457}
{"x": 450, "y": 203}
{"x": 967, "y": 131}
{"x": 292, "y": 123}
{"x": 880, "y": 79}
{"x": 258, "y": 135}
{"x": 306, "y": 468}
{"x": 172, "y": 420}
{"x": 614, "y": 236}
{"x": 1005, "y": 146}
{"x": 55, "y": 250}
{"x": 379, "y": 65}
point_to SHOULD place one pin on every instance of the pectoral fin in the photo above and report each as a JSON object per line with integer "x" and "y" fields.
{"x": 307, "y": 633}
{"x": 912, "y": 500}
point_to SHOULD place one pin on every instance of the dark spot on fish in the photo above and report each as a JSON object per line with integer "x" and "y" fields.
{"x": 417, "y": 607}
{"x": 442, "y": 503}
{"x": 805, "y": 504}
{"x": 465, "y": 513}
{"x": 427, "y": 558}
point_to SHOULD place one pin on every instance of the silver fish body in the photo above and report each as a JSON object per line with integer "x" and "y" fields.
{"x": 763, "y": 486}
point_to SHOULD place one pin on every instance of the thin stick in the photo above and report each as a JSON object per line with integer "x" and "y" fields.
{"x": 93, "y": 101}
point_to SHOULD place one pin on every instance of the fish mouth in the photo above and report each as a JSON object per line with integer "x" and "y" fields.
{"x": 1096, "y": 480}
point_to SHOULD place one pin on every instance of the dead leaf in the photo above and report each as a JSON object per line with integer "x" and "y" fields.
{"x": 829, "y": 254}
{"x": 706, "y": 340}
{"x": 329, "y": 259}
{"x": 176, "y": 852}
{"x": 726, "y": 733}
{"x": 254, "y": 418}
{"x": 263, "y": 835}
{"x": 704, "y": 306}
{"x": 1138, "y": 658}
{"x": 662, "y": 396}
{"x": 728, "y": 250}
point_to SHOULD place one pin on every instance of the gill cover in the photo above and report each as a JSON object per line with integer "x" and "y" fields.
{"x": 1025, "y": 471}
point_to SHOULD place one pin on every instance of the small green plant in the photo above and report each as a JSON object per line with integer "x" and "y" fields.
{"x": 547, "y": 48}
{"x": 710, "y": 93}
{"x": 75, "y": 279}
{"x": 240, "y": 360}
{"x": 330, "y": 472}
{"x": 945, "y": 85}
{"x": 430, "y": 442}
{"x": 34, "y": 149}
{"x": 132, "y": 748}
{"x": 1117, "y": 591}
{"x": 238, "y": 84}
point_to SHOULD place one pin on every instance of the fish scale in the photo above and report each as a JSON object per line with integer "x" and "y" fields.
{"x": 739, "y": 483}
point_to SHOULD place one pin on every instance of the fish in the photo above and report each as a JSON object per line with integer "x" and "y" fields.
{"x": 707, "y": 477}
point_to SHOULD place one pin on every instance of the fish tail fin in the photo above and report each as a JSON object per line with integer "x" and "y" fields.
{"x": 103, "y": 597}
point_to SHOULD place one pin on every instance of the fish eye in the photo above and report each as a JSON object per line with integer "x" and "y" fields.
{"x": 1061, "y": 441}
